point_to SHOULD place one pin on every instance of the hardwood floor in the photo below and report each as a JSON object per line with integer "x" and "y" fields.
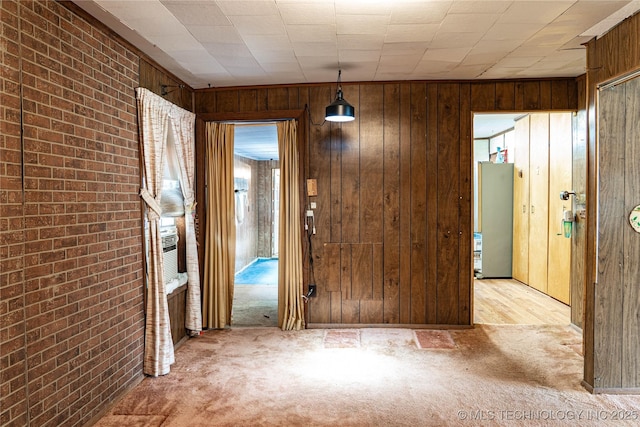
{"x": 507, "y": 301}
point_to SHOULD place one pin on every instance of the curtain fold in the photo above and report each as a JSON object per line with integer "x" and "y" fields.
{"x": 290, "y": 282}
{"x": 153, "y": 116}
{"x": 183, "y": 125}
{"x": 220, "y": 240}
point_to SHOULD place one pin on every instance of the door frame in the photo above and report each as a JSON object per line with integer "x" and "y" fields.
{"x": 200, "y": 187}
{"x": 474, "y": 183}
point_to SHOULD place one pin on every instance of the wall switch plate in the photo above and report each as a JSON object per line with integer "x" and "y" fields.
{"x": 313, "y": 205}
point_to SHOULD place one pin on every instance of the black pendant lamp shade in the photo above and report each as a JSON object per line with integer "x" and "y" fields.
{"x": 339, "y": 110}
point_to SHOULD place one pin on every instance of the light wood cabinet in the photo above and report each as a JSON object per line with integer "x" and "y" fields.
{"x": 539, "y": 200}
{"x": 560, "y": 179}
{"x": 543, "y": 164}
{"x": 521, "y": 201}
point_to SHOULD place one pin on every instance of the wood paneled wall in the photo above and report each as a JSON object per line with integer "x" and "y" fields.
{"x": 611, "y": 293}
{"x": 394, "y": 206}
{"x": 152, "y": 77}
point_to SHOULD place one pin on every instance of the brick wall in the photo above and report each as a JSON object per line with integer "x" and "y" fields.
{"x": 71, "y": 282}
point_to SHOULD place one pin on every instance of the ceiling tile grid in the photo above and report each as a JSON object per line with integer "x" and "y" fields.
{"x": 218, "y": 43}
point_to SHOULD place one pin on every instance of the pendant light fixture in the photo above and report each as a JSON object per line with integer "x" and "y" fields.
{"x": 339, "y": 110}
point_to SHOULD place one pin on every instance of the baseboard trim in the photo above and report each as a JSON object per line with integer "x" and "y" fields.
{"x": 383, "y": 325}
{"x": 606, "y": 390}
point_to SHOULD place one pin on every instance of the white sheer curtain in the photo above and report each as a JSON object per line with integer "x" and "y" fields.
{"x": 157, "y": 119}
{"x": 153, "y": 116}
{"x": 183, "y": 125}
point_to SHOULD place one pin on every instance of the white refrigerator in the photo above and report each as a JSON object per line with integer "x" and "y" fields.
{"x": 495, "y": 219}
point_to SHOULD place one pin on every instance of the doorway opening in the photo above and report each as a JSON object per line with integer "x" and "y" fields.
{"x": 257, "y": 196}
{"x": 521, "y": 255}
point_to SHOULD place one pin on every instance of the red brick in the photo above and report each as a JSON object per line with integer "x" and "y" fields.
{"x": 81, "y": 171}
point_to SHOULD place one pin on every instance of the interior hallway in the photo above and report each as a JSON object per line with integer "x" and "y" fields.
{"x": 509, "y": 302}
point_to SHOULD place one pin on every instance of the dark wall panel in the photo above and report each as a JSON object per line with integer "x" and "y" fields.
{"x": 394, "y": 205}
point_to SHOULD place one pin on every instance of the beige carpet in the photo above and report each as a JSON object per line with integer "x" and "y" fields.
{"x": 491, "y": 375}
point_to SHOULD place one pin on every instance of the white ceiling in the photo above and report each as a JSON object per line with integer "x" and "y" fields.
{"x": 209, "y": 43}
{"x": 220, "y": 43}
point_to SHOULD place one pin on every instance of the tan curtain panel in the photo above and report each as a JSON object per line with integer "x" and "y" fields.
{"x": 290, "y": 290}
{"x": 220, "y": 234}
{"x": 183, "y": 125}
{"x": 153, "y": 116}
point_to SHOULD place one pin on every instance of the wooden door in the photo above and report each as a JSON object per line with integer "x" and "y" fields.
{"x": 539, "y": 200}
{"x": 521, "y": 201}
{"x": 616, "y": 338}
{"x": 560, "y": 179}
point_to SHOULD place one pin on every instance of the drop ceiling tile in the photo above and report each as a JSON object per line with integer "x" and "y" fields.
{"x": 410, "y": 33}
{"x": 519, "y": 61}
{"x": 318, "y": 49}
{"x": 512, "y": 31}
{"x": 493, "y": 46}
{"x": 454, "y": 40}
{"x": 610, "y": 20}
{"x": 467, "y": 72}
{"x": 173, "y": 32}
{"x": 585, "y": 14}
{"x": 467, "y": 23}
{"x": 196, "y": 12}
{"x": 325, "y": 65}
{"x": 361, "y": 24}
{"x": 395, "y": 64}
{"x": 483, "y": 59}
{"x": 255, "y": 8}
{"x": 173, "y": 43}
{"x": 404, "y": 48}
{"x": 419, "y": 12}
{"x": 278, "y": 56}
{"x": 251, "y": 25}
{"x": 307, "y": 13}
{"x": 354, "y": 55}
{"x": 479, "y": 7}
{"x": 363, "y": 7}
{"x": 312, "y": 33}
{"x": 245, "y": 68}
{"x": 237, "y": 62}
{"x": 270, "y": 42}
{"x": 447, "y": 55}
{"x": 281, "y": 67}
{"x": 211, "y": 33}
{"x": 528, "y": 50}
{"x": 552, "y": 36}
{"x": 317, "y": 74}
{"x": 199, "y": 61}
{"x": 361, "y": 41}
{"x": 227, "y": 49}
{"x": 529, "y": 12}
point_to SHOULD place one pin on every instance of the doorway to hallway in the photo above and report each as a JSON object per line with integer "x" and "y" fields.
{"x": 517, "y": 224}
{"x": 257, "y": 189}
